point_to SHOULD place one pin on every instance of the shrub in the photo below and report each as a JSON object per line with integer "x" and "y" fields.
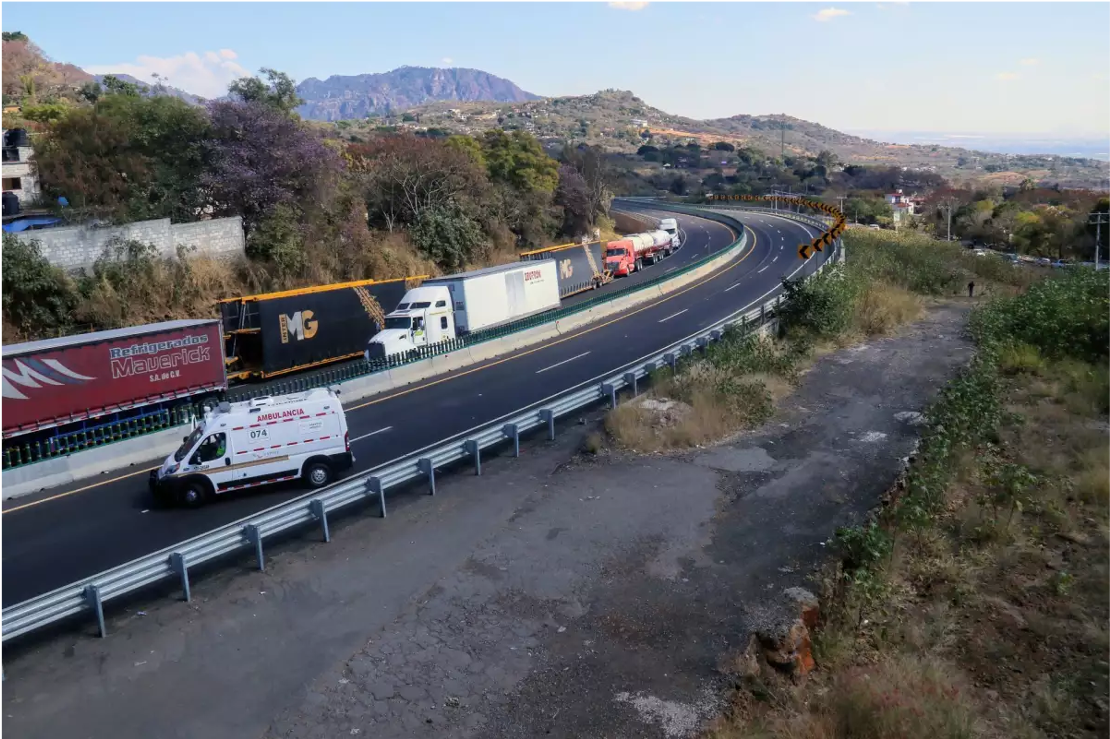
{"x": 1066, "y": 317}
{"x": 38, "y": 297}
{"x": 447, "y": 235}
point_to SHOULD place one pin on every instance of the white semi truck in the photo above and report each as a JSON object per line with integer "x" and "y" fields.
{"x": 670, "y": 225}
{"x": 449, "y": 307}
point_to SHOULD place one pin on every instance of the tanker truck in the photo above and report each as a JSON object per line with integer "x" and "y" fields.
{"x": 631, "y": 253}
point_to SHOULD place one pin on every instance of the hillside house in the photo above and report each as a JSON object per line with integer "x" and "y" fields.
{"x": 19, "y": 174}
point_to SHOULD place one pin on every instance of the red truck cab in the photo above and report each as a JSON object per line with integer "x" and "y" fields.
{"x": 620, "y": 258}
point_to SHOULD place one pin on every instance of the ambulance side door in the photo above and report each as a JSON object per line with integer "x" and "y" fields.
{"x": 256, "y": 442}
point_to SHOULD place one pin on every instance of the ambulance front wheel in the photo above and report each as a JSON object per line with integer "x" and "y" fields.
{"x": 317, "y": 474}
{"x": 193, "y": 495}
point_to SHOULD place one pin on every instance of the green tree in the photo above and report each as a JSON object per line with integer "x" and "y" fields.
{"x": 447, "y": 235}
{"x": 278, "y": 91}
{"x": 15, "y": 36}
{"x": 38, "y": 298}
{"x": 828, "y": 160}
{"x": 469, "y": 146}
{"x": 518, "y": 160}
{"x": 46, "y": 113}
{"x": 277, "y": 238}
{"x": 115, "y": 86}
{"x": 127, "y": 158}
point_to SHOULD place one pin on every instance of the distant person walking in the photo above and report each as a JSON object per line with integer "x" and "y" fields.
{"x": 971, "y": 289}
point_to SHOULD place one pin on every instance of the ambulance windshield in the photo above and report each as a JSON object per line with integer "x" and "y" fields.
{"x": 190, "y": 440}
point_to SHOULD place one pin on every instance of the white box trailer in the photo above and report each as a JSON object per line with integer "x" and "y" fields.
{"x": 449, "y": 307}
{"x": 488, "y": 297}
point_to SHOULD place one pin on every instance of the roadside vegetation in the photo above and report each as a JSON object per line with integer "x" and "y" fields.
{"x": 888, "y": 280}
{"x": 976, "y": 603}
{"x": 316, "y": 208}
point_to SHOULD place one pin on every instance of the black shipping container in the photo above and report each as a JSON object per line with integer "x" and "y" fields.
{"x": 273, "y": 334}
{"x": 579, "y": 266}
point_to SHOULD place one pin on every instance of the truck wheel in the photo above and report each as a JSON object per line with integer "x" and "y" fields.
{"x": 193, "y": 495}
{"x": 317, "y": 474}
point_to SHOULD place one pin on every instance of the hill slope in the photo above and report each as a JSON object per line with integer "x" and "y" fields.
{"x": 355, "y": 96}
{"x": 617, "y": 120}
{"x": 159, "y": 89}
{"x": 28, "y": 70}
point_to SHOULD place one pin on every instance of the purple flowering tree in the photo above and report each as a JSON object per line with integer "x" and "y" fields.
{"x": 260, "y": 158}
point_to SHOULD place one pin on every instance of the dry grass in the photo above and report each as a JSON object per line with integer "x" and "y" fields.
{"x": 734, "y": 387}
{"x": 883, "y": 307}
{"x": 901, "y": 697}
{"x": 1092, "y": 483}
{"x": 990, "y": 623}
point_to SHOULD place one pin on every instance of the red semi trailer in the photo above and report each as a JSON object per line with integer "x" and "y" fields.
{"x": 58, "y": 381}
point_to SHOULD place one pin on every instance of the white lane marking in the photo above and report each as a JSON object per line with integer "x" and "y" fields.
{"x": 729, "y": 288}
{"x": 762, "y": 269}
{"x": 545, "y": 369}
{"x": 776, "y": 257}
{"x": 673, "y": 315}
{"x": 372, "y": 433}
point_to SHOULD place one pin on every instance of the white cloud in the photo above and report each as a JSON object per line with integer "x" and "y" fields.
{"x": 1007, "y": 76}
{"x": 447, "y": 60}
{"x": 1030, "y": 62}
{"x": 207, "y": 74}
{"x": 628, "y": 5}
{"x": 829, "y": 13}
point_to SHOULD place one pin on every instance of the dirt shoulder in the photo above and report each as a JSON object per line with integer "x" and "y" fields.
{"x": 589, "y": 598}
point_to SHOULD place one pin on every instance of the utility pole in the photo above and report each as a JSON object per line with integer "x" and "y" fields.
{"x": 1098, "y": 219}
{"x": 947, "y": 206}
{"x": 782, "y": 130}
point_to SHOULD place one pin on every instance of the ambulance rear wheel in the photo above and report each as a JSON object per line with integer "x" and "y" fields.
{"x": 317, "y": 474}
{"x": 193, "y": 495}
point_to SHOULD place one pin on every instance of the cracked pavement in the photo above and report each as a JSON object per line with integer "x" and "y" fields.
{"x": 589, "y": 597}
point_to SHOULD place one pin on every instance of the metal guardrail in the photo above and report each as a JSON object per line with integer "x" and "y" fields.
{"x": 18, "y": 455}
{"x": 90, "y": 594}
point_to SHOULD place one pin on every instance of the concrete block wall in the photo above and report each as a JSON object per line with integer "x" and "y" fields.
{"x": 220, "y": 237}
{"x": 78, "y": 247}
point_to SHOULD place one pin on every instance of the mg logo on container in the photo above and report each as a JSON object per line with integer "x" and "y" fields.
{"x": 300, "y": 326}
{"x": 566, "y": 269}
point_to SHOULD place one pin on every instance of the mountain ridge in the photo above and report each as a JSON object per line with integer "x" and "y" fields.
{"x": 344, "y": 97}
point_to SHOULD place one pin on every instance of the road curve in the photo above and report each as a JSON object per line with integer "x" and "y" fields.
{"x": 62, "y": 535}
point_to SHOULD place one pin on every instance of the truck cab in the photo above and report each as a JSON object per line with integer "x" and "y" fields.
{"x": 670, "y": 225}
{"x": 424, "y": 316}
{"x": 620, "y": 258}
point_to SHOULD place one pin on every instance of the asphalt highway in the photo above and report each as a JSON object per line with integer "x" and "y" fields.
{"x": 61, "y": 535}
{"x": 679, "y": 259}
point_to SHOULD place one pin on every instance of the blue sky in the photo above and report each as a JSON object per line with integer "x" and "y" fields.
{"x": 947, "y": 67}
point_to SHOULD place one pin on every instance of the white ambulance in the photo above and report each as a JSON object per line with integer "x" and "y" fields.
{"x": 257, "y": 442}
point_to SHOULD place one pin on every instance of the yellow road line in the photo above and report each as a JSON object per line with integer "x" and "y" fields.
{"x": 78, "y": 490}
{"x": 511, "y": 357}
